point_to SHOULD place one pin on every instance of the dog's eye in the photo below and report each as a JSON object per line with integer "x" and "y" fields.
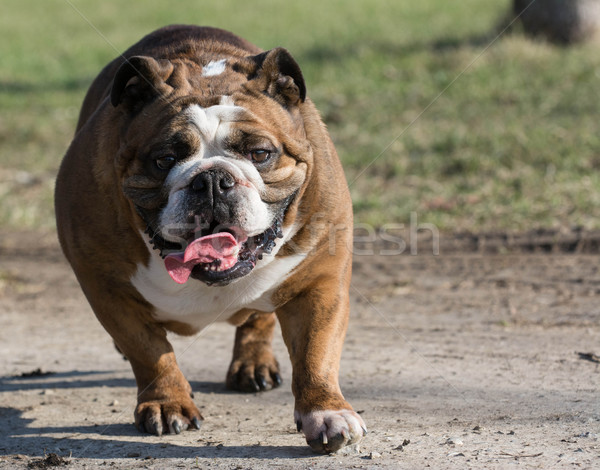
{"x": 165, "y": 163}
{"x": 259, "y": 155}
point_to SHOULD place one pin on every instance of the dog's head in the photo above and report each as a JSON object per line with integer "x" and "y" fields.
{"x": 212, "y": 155}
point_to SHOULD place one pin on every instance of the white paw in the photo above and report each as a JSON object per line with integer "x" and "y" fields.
{"x": 330, "y": 430}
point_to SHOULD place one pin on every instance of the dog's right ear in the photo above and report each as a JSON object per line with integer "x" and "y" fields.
{"x": 279, "y": 75}
{"x": 139, "y": 80}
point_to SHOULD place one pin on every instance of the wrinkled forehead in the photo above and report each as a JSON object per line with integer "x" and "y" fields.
{"x": 212, "y": 122}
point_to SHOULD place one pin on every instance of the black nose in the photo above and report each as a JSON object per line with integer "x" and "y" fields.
{"x": 213, "y": 182}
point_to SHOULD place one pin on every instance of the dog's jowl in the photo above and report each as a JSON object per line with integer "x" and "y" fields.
{"x": 201, "y": 185}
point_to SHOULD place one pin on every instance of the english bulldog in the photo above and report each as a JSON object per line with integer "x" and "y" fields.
{"x": 201, "y": 185}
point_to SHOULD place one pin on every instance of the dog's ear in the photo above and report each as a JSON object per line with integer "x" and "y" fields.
{"x": 280, "y": 76}
{"x": 139, "y": 80}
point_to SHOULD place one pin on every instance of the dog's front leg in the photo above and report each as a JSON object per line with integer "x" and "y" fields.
{"x": 164, "y": 403}
{"x": 313, "y": 326}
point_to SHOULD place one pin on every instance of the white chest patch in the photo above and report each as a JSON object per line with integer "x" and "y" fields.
{"x": 198, "y": 305}
{"x": 216, "y": 67}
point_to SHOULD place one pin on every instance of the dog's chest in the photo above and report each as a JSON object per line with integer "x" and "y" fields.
{"x": 198, "y": 305}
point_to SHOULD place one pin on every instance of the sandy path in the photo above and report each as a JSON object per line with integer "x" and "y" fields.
{"x": 473, "y": 359}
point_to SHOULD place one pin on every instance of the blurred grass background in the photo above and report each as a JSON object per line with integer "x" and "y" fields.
{"x": 513, "y": 144}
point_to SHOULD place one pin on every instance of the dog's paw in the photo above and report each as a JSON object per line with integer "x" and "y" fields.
{"x": 253, "y": 371}
{"x": 327, "y": 431}
{"x": 167, "y": 416}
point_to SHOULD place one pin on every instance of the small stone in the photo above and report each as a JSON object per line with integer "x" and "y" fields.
{"x": 456, "y": 454}
{"x": 114, "y": 403}
{"x": 401, "y": 447}
{"x": 25, "y": 178}
{"x": 350, "y": 450}
{"x": 374, "y": 455}
{"x": 455, "y": 441}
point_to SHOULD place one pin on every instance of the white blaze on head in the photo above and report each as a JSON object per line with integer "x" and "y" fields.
{"x": 213, "y": 68}
{"x": 214, "y": 118}
{"x": 214, "y": 127}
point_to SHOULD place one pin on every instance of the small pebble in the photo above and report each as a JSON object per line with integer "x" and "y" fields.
{"x": 405, "y": 442}
{"x": 350, "y": 450}
{"x": 25, "y": 178}
{"x": 114, "y": 403}
{"x": 456, "y": 454}
{"x": 374, "y": 455}
{"x": 455, "y": 441}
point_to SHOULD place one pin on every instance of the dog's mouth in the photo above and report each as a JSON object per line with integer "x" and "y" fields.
{"x": 220, "y": 257}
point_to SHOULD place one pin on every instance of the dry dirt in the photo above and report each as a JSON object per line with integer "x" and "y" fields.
{"x": 462, "y": 360}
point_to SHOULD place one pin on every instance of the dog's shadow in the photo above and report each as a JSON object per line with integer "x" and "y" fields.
{"x": 21, "y": 435}
{"x": 89, "y": 379}
{"x": 38, "y": 380}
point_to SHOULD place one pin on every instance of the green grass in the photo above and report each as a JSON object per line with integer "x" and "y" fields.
{"x": 512, "y": 144}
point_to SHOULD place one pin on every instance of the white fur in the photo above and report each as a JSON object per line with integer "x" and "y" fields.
{"x": 331, "y": 423}
{"x": 195, "y": 303}
{"x": 213, "y": 124}
{"x": 216, "y": 67}
{"x": 199, "y": 305}
{"x": 209, "y": 120}
{"x": 257, "y": 216}
{"x": 184, "y": 172}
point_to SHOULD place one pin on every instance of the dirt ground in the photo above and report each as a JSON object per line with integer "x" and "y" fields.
{"x": 462, "y": 360}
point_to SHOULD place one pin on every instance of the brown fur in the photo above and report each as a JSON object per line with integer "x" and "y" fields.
{"x": 253, "y": 367}
{"x": 99, "y": 228}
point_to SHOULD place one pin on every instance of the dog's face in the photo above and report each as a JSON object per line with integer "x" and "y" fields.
{"x": 213, "y": 175}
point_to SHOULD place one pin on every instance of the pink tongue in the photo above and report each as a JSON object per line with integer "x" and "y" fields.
{"x": 220, "y": 246}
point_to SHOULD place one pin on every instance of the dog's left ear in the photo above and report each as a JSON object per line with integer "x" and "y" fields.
{"x": 280, "y": 76}
{"x": 139, "y": 80}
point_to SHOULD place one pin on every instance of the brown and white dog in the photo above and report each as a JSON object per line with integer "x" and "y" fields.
{"x": 201, "y": 185}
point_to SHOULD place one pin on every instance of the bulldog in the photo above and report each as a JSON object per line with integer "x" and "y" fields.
{"x": 201, "y": 185}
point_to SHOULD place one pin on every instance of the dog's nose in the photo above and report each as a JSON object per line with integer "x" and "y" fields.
{"x": 213, "y": 182}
